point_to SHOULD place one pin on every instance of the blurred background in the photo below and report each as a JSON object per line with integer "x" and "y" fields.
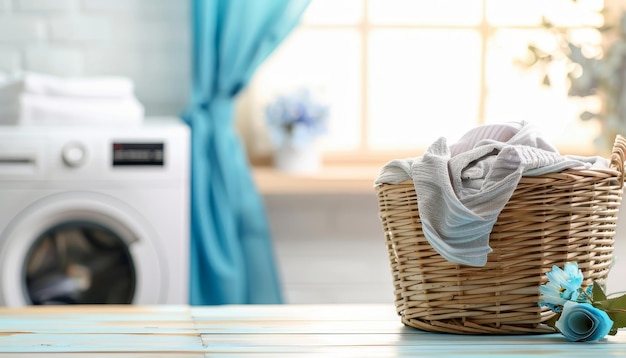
{"x": 394, "y": 75}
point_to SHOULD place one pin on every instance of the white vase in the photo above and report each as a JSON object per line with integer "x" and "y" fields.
{"x": 297, "y": 159}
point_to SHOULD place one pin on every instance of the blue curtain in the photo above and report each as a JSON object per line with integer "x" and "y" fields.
{"x": 232, "y": 259}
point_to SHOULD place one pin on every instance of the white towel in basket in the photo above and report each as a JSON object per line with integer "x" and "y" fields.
{"x": 463, "y": 188}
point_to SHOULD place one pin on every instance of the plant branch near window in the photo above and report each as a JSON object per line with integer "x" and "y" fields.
{"x": 592, "y": 73}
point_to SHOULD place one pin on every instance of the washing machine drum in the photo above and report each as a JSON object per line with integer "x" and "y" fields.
{"x": 82, "y": 263}
{"x": 80, "y": 248}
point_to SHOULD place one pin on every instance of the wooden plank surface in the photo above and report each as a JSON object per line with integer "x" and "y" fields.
{"x": 258, "y": 330}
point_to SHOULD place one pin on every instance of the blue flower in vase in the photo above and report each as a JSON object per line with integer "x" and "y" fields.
{"x": 296, "y": 118}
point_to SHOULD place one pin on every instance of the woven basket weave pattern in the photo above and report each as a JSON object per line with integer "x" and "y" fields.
{"x": 549, "y": 220}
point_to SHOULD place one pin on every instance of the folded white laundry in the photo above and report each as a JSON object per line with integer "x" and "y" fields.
{"x": 9, "y": 113}
{"x": 34, "y": 98}
{"x": 38, "y": 110}
{"x": 10, "y": 89}
{"x": 100, "y": 87}
{"x": 463, "y": 188}
{"x": 9, "y": 103}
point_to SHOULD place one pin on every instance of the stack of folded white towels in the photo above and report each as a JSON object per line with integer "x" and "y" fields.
{"x": 40, "y": 99}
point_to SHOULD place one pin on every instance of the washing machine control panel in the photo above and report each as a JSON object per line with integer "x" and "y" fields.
{"x": 74, "y": 154}
{"x": 138, "y": 154}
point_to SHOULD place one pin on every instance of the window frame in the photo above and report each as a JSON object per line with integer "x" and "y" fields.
{"x": 365, "y": 155}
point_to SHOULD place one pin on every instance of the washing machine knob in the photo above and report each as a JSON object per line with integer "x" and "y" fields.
{"x": 74, "y": 154}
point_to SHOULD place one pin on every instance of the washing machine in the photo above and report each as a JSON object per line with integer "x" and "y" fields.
{"x": 94, "y": 215}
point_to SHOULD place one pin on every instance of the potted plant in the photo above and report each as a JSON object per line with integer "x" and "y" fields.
{"x": 296, "y": 120}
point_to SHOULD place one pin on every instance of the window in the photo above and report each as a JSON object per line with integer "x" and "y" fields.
{"x": 398, "y": 74}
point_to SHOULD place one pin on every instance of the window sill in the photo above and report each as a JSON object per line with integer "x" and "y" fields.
{"x": 348, "y": 173}
{"x": 330, "y": 179}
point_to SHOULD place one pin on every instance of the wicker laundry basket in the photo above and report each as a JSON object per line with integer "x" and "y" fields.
{"x": 549, "y": 220}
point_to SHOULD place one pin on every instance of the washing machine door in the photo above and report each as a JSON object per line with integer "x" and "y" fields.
{"x": 80, "y": 248}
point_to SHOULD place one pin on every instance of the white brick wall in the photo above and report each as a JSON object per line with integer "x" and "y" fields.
{"x": 9, "y": 59}
{"x": 21, "y": 29}
{"x": 145, "y": 40}
{"x": 84, "y": 29}
{"x": 45, "y": 5}
{"x": 61, "y": 60}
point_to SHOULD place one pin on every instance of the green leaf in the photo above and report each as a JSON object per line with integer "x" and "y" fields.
{"x": 616, "y": 303}
{"x": 552, "y": 321}
{"x": 546, "y": 23}
{"x": 618, "y": 318}
{"x": 615, "y": 308}
{"x": 598, "y": 294}
{"x": 586, "y": 115}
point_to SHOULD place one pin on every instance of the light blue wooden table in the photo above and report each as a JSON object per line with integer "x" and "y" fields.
{"x": 258, "y": 331}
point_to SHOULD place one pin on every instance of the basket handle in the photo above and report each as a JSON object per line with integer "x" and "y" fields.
{"x": 619, "y": 156}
